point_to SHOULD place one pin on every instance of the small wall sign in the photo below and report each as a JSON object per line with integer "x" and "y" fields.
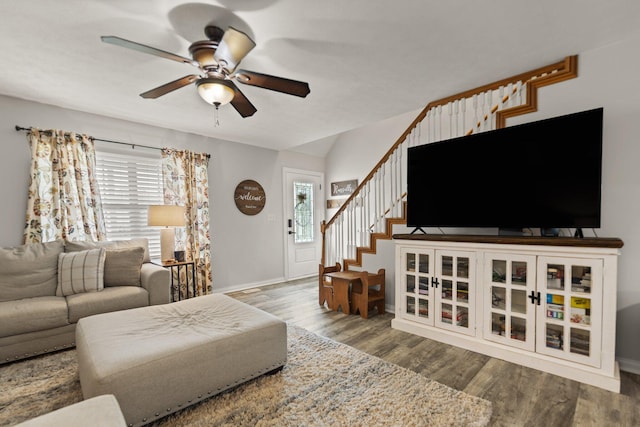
{"x": 337, "y": 203}
{"x": 334, "y": 203}
{"x": 250, "y": 197}
{"x": 343, "y": 188}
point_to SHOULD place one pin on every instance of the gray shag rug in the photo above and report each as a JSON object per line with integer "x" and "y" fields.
{"x": 324, "y": 383}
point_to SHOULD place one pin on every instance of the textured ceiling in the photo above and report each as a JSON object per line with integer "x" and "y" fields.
{"x": 365, "y": 60}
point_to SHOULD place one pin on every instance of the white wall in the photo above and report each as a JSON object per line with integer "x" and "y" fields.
{"x": 607, "y": 77}
{"x": 246, "y": 250}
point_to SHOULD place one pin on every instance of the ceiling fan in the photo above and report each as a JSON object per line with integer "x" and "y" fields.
{"x": 217, "y": 58}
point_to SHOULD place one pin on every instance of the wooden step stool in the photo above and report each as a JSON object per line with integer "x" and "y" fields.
{"x": 367, "y": 293}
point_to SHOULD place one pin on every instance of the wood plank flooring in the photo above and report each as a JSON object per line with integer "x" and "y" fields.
{"x": 521, "y": 396}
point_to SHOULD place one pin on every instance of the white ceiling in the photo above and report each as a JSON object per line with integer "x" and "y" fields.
{"x": 365, "y": 60}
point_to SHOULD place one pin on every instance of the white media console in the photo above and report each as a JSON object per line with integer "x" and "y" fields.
{"x": 546, "y": 303}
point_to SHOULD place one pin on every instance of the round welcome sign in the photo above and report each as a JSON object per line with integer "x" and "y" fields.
{"x": 250, "y": 197}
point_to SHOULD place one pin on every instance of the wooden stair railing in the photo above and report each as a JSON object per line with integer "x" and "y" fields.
{"x": 378, "y": 202}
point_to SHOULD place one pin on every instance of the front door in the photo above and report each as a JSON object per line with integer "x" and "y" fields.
{"x": 303, "y": 213}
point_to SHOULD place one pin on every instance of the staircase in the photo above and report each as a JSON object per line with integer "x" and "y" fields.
{"x": 379, "y": 202}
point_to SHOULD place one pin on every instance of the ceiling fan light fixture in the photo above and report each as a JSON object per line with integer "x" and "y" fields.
{"x": 215, "y": 91}
{"x": 233, "y": 47}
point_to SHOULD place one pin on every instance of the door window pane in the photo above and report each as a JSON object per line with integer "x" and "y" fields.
{"x": 303, "y": 212}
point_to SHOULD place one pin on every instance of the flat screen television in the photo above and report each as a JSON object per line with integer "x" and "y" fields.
{"x": 545, "y": 174}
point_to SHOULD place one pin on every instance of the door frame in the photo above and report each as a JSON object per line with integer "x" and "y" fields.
{"x": 285, "y": 209}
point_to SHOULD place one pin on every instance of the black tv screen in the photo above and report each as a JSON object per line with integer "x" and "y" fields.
{"x": 544, "y": 174}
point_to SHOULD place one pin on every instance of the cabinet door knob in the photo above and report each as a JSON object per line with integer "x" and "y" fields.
{"x": 434, "y": 282}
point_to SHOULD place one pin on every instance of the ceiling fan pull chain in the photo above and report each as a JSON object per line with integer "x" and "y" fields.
{"x": 216, "y": 114}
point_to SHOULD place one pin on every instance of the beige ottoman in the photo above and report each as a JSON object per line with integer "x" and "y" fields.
{"x": 159, "y": 359}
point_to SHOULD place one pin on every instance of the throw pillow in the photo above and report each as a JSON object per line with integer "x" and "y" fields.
{"x": 85, "y": 246}
{"x": 81, "y": 271}
{"x": 122, "y": 266}
{"x": 118, "y": 244}
{"x": 29, "y": 271}
{"x": 136, "y": 242}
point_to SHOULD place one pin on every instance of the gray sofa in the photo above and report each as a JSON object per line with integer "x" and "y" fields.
{"x": 45, "y": 288}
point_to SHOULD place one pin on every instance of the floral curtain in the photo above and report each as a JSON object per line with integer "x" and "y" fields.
{"x": 186, "y": 183}
{"x": 64, "y": 199}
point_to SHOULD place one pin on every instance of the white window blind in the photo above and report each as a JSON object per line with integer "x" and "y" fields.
{"x": 129, "y": 182}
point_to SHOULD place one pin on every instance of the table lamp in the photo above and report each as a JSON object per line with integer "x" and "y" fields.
{"x": 169, "y": 217}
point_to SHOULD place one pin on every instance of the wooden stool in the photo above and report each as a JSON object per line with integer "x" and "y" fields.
{"x": 368, "y": 293}
{"x": 325, "y": 290}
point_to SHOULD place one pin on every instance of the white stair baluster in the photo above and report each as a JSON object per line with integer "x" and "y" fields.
{"x": 463, "y": 111}
{"x": 475, "y": 111}
{"x": 352, "y": 221}
{"x": 491, "y": 105}
{"x": 383, "y": 198}
{"x": 439, "y": 122}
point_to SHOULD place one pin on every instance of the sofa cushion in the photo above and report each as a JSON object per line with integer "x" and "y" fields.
{"x": 137, "y": 242}
{"x": 122, "y": 266}
{"x": 116, "y": 244}
{"x": 81, "y": 271}
{"x": 109, "y": 299}
{"x": 32, "y": 314}
{"x": 29, "y": 271}
{"x": 102, "y": 410}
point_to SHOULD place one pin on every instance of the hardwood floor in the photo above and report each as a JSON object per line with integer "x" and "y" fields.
{"x": 521, "y": 396}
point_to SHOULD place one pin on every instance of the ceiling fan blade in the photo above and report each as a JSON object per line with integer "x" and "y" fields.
{"x": 279, "y": 84}
{"x": 169, "y": 87}
{"x": 233, "y": 47}
{"x": 147, "y": 49}
{"x": 241, "y": 103}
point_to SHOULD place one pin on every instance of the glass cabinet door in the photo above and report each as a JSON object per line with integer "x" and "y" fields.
{"x": 417, "y": 297}
{"x": 509, "y": 313}
{"x": 454, "y": 297}
{"x": 570, "y": 310}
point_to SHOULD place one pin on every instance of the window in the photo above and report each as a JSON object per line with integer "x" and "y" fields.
{"x": 303, "y": 212}
{"x": 130, "y": 180}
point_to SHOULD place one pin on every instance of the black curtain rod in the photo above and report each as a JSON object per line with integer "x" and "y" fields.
{"x": 20, "y": 128}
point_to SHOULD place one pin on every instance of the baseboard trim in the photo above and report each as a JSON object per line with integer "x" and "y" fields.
{"x": 244, "y": 286}
{"x": 629, "y": 365}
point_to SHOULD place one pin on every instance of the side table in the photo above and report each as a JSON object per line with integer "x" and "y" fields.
{"x": 175, "y": 283}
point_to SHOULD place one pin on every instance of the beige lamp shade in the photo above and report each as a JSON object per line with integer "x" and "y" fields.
{"x": 166, "y": 216}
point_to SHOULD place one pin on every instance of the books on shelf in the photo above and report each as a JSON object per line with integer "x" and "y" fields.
{"x": 554, "y": 341}
{"x": 580, "y": 310}
{"x": 555, "y": 306}
{"x": 579, "y": 342}
{"x": 461, "y": 316}
{"x": 583, "y": 285}
{"x": 462, "y": 295}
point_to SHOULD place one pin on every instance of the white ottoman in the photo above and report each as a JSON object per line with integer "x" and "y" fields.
{"x": 159, "y": 359}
